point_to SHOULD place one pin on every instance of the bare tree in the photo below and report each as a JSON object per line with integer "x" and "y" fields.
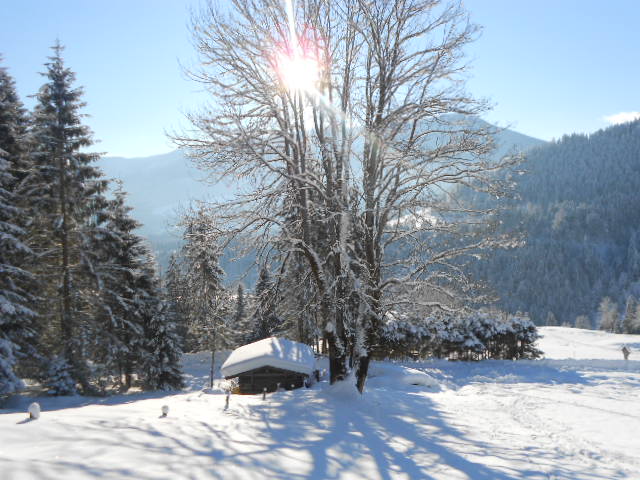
{"x": 348, "y": 124}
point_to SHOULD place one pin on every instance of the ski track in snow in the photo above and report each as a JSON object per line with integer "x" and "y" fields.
{"x": 559, "y": 418}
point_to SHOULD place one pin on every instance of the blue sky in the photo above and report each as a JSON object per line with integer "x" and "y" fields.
{"x": 549, "y": 67}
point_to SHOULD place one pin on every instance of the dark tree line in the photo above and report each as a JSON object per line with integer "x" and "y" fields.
{"x": 82, "y": 307}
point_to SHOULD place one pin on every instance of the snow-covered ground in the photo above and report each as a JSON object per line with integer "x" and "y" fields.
{"x": 573, "y": 415}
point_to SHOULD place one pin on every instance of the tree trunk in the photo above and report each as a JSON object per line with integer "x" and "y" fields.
{"x": 361, "y": 373}
{"x": 213, "y": 359}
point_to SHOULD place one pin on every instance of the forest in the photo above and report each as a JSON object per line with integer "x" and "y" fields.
{"x": 577, "y": 208}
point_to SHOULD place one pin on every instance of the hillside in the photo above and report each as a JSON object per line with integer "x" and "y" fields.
{"x": 571, "y": 416}
{"x": 160, "y": 187}
{"x": 579, "y": 210}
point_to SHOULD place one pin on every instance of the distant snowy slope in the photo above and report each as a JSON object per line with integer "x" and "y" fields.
{"x": 575, "y": 343}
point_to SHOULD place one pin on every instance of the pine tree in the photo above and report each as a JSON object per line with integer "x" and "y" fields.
{"x": 582, "y": 321}
{"x": 66, "y": 193}
{"x": 240, "y": 328}
{"x": 162, "y": 368}
{"x": 205, "y": 297}
{"x": 629, "y": 315}
{"x": 635, "y": 324}
{"x": 16, "y": 317}
{"x": 551, "y": 320}
{"x": 240, "y": 308}
{"x": 174, "y": 288}
{"x": 265, "y": 321}
{"x": 608, "y": 315}
{"x": 13, "y": 129}
{"x": 121, "y": 261}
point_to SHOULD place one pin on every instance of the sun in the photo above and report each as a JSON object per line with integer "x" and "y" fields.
{"x": 298, "y": 72}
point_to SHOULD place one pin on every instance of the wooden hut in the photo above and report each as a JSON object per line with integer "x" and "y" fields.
{"x": 268, "y": 363}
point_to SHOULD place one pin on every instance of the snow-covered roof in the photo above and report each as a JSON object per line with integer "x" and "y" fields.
{"x": 270, "y": 352}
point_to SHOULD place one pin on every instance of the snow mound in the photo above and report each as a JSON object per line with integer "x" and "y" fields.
{"x": 394, "y": 376}
{"x": 345, "y": 390}
{"x": 270, "y": 352}
{"x": 416, "y": 377}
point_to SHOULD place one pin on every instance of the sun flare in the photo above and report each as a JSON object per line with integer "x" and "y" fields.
{"x": 298, "y": 73}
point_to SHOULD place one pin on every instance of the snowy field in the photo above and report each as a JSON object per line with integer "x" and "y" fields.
{"x": 573, "y": 415}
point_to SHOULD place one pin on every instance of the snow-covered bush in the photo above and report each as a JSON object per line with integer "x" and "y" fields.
{"x": 476, "y": 336}
{"x": 58, "y": 378}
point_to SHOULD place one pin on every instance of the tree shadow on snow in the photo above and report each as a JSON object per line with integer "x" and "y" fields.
{"x": 303, "y": 434}
{"x": 18, "y": 403}
{"x": 549, "y": 372}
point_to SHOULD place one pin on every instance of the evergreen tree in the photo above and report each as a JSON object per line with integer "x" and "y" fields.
{"x": 121, "y": 264}
{"x": 551, "y": 320}
{"x": 16, "y": 317}
{"x": 241, "y": 330}
{"x": 582, "y": 321}
{"x": 173, "y": 286}
{"x": 629, "y": 315}
{"x": 608, "y": 315}
{"x": 13, "y": 130}
{"x": 635, "y": 324}
{"x": 66, "y": 194}
{"x": 205, "y": 297}
{"x": 162, "y": 370}
{"x": 265, "y": 321}
{"x": 202, "y": 281}
{"x": 240, "y": 308}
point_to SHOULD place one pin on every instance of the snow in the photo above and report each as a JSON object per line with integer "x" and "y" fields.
{"x": 560, "y": 342}
{"x": 34, "y": 411}
{"x": 572, "y": 415}
{"x": 272, "y": 352}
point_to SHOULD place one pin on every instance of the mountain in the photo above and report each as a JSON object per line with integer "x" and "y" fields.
{"x": 160, "y": 187}
{"x": 579, "y": 209}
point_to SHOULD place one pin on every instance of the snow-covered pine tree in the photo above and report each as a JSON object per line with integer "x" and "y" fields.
{"x": 582, "y": 321}
{"x": 551, "y": 320}
{"x": 174, "y": 297}
{"x": 13, "y": 130}
{"x": 298, "y": 303}
{"x": 162, "y": 369}
{"x": 16, "y": 317}
{"x": 608, "y": 315}
{"x": 65, "y": 192}
{"x": 58, "y": 377}
{"x": 205, "y": 298}
{"x": 629, "y": 315}
{"x": 265, "y": 321}
{"x": 240, "y": 307}
{"x": 121, "y": 255}
{"x": 635, "y": 324}
{"x": 240, "y": 326}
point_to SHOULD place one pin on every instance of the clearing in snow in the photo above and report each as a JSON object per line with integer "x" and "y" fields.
{"x": 573, "y": 415}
